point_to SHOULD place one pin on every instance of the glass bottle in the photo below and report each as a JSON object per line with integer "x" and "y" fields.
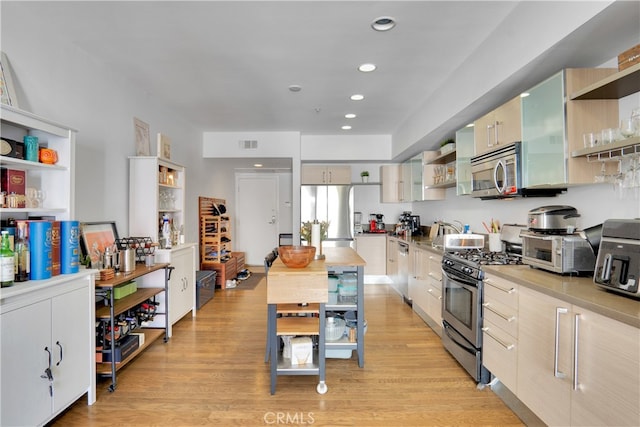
{"x": 22, "y": 253}
{"x": 7, "y": 262}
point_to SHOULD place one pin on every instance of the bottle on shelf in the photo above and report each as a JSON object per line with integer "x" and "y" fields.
{"x": 22, "y": 253}
{"x": 166, "y": 233}
{"x": 7, "y": 262}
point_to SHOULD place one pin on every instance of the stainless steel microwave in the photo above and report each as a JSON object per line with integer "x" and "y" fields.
{"x": 497, "y": 174}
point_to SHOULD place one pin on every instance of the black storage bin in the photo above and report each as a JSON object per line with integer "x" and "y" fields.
{"x": 206, "y": 286}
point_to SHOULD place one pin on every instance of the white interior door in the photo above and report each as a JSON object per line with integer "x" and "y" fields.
{"x": 256, "y": 216}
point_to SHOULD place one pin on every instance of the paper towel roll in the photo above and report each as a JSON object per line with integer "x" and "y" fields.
{"x": 315, "y": 236}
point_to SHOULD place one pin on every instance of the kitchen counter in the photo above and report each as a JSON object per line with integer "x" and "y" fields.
{"x": 580, "y": 291}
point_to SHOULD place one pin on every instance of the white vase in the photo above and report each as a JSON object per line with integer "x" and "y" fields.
{"x": 365, "y": 179}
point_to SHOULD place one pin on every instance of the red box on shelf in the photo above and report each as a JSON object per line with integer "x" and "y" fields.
{"x": 14, "y": 181}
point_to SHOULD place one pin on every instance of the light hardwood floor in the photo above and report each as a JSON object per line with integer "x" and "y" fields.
{"x": 212, "y": 372}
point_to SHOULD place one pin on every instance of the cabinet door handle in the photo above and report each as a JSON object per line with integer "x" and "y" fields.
{"x": 489, "y": 127}
{"x": 495, "y": 132}
{"x": 324, "y": 177}
{"x": 498, "y": 340}
{"x": 496, "y": 312}
{"x": 500, "y": 288}
{"x": 330, "y": 177}
{"x": 59, "y": 345}
{"x": 576, "y": 324}
{"x": 556, "y": 372}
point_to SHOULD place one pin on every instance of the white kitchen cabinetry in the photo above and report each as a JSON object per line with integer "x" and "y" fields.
{"x": 325, "y": 175}
{"x": 156, "y": 188}
{"x": 576, "y": 367}
{"x": 373, "y": 249}
{"x": 498, "y": 127}
{"x": 392, "y": 183}
{"x": 49, "y": 327}
{"x": 500, "y": 330}
{"x": 182, "y": 284}
{"x": 57, "y": 180}
{"x": 553, "y": 126}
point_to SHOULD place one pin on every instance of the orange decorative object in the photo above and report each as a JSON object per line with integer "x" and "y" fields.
{"x": 296, "y": 256}
{"x": 48, "y": 156}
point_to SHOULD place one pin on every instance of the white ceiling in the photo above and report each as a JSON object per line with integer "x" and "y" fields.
{"x": 227, "y": 65}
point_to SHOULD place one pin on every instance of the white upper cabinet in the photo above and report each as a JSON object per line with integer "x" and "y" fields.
{"x": 56, "y": 181}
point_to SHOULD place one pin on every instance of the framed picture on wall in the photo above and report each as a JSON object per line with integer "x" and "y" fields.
{"x": 7, "y": 90}
{"x": 95, "y": 237}
{"x": 143, "y": 145}
{"x": 164, "y": 147}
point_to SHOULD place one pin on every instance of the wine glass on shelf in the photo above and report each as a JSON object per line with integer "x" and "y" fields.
{"x": 627, "y": 127}
{"x": 603, "y": 173}
{"x": 41, "y": 196}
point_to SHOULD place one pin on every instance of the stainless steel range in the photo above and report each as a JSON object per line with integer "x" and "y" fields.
{"x": 462, "y": 288}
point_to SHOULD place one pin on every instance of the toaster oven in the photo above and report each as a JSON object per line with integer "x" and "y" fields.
{"x": 558, "y": 253}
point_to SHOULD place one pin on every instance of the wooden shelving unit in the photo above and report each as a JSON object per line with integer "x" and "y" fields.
{"x": 215, "y": 241}
{"x": 115, "y": 307}
{"x": 615, "y": 86}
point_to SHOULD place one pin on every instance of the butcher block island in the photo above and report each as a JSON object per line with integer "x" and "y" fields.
{"x": 292, "y": 291}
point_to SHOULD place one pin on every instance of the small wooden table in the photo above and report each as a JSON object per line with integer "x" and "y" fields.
{"x": 287, "y": 290}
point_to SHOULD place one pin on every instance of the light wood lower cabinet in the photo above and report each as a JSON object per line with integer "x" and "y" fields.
{"x": 425, "y": 286}
{"x": 373, "y": 249}
{"x": 576, "y": 367}
{"x": 500, "y": 330}
{"x": 50, "y": 330}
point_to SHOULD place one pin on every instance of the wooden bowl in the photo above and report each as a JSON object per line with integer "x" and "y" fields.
{"x": 296, "y": 256}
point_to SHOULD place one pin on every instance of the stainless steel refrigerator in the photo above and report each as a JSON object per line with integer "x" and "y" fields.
{"x": 332, "y": 203}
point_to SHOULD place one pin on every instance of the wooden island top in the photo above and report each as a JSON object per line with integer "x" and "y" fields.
{"x": 309, "y": 284}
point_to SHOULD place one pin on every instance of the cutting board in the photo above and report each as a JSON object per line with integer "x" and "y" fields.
{"x": 433, "y": 231}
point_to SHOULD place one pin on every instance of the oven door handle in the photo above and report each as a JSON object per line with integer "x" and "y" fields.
{"x": 465, "y": 347}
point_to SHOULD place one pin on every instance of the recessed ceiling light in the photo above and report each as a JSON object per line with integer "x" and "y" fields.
{"x": 295, "y": 88}
{"x": 357, "y": 97}
{"x": 367, "y": 68}
{"x": 346, "y": 127}
{"x": 524, "y": 94}
{"x": 257, "y": 165}
{"x": 470, "y": 125}
{"x": 350, "y": 116}
{"x": 384, "y": 23}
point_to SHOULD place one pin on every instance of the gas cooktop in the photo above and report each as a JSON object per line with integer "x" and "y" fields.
{"x": 482, "y": 257}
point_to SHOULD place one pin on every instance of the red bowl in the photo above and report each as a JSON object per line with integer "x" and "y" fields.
{"x": 296, "y": 256}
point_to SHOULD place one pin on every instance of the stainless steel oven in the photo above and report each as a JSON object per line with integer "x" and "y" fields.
{"x": 462, "y": 292}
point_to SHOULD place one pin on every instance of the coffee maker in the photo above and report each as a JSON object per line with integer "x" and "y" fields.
{"x": 376, "y": 224}
{"x": 416, "y": 230}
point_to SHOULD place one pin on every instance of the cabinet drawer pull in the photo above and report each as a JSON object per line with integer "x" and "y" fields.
{"x": 496, "y": 312}
{"x": 500, "y": 288}
{"x": 556, "y": 372}
{"x": 498, "y": 340}
{"x": 576, "y": 340}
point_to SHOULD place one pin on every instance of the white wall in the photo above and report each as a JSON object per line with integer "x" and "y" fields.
{"x": 345, "y": 147}
{"x": 595, "y": 204}
{"x": 61, "y": 83}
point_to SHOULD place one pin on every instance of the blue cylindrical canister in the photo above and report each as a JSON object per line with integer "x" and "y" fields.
{"x": 40, "y": 243}
{"x": 69, "y": 247}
